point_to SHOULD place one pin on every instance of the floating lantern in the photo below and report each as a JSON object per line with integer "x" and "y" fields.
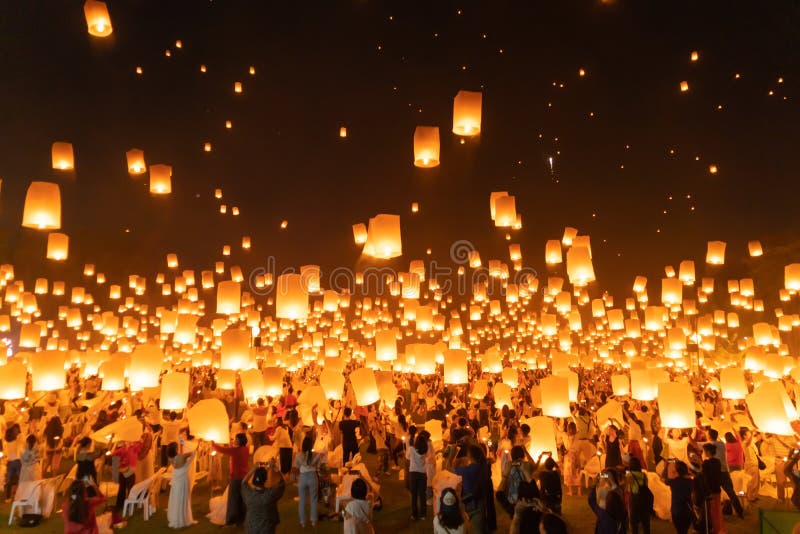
{"x": 695, "y": 55}
{"x": 208, "y": 420}
{"x": 552, "y": 252}
{"x": 98, "y": 22}
{"x": 771, "y": 409}
{"x": 676, "y": 405}
{"x": 42, "y": 206}
{"x": 505, "y": 211}
{"x": 145, "y": 368}
{"x": 643, "y": 388}
{"x": 579, "y": 266}
{"x": 30, "y": 335}
{"x": 511, "y": 377}
{"x": 174, "y": 391}
{"x": 63, "y": 157}
{"x": 310, "y": 275}
{"x": 621, "y": 386}
{"x": 791, "y": 277}
{"x": 291, "y": 299}
{"x": 732, "y": 383}
{"x": 684, "y": 86}
{"x": 47, "y": 370}
{"x": 716, "y": 253}
{"x": 237, "y": 87}
{"x": 15, "y": 376}
{"x": 342, "y": 132}
{"x": 543, "y": 436}
{"x": 235, "y": 351}
{"x": 57, "y": 246}
{"x": 229, "y": 297}
{"x": 365, "y": 387}
{"x": 160, "y": 179}
{"x": 360, "y": 233}
{"x": 555, "y": 396}
{"x": 754, "y": 248}
{"x": 386, "y": 346}
{"x": 383, "y": 237}
{"x": 252, "y": 384}
{"x": 502, "y": 395}
{"x": 455, "y": 367}
{"x": 467, "y": 113}
{"x": 136, "y": 163}
{"x": 426, "y": 146}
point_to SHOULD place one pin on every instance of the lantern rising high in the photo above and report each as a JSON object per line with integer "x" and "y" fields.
{"x": 467, "y": 113}
{"x": 160, "y": 179}
{"x": 383, "y": 237}
{"x": 426, "y": 146}
{"x": 136, "y": 163}
{"x": 42, "y": 206}
{"x": 63, "y": 157}
{"x": 98, "y": 22}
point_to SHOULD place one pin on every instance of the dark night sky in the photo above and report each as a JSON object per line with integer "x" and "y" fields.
{"x": 381, "y": 69}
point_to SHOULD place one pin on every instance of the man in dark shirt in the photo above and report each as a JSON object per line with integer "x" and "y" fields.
{"x": 461, "y": 431}
{"x": 348, "y": 428}
{"x": 712, "y": 485}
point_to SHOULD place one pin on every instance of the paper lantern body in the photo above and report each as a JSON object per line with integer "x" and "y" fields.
{"x": 791, "y": 277}
{"x": 426, "y": 146}
{"x": 555, "y": 396}
{"x": 467, "y": 113}
{"x": 15, "y": 379}
{"x": 160, "y": 179}
{"x": 113, "y": 373}
{"x": 332, "y": 382}
{"x": 174, "y": 391}
{"x": 620, "y": 385}
{"x": 642, "y": 387}
{"x": 385, "y": 346}
{"x": 676, "y": 405}
{"x": 552, "y": 252}
{"x": 505, "y": 211}
{"x": 62, "y": 155}
{"x": 732, "y": 383}
{"x": 47, "y": 370}
{"x": 226, "y": 379}
{"x": 291, "y": 298}
{"x": 208, "y": 420}
{"x": 715, "y": 254}
{"x": 273, "y": 381}
{"x": 455, "y": 367}
{"x": 365, "y": 387}
{"x": 229, "y": 297}
{"x": 42, "y": 206}
{"x": 135, "y": 161}
{"x": 235, "y": 351}
{"x": 543, "y": 436}
{"x": 771, "y": 409}
{"x": 579, "y": 266}
{"x": 359, "y": 233}
{"x": 57, "y": 246}
{"x": 502, "y": 395}
{"x": 98, "y": 22}
{"x": 146, "y": 363}
{"x": 252, "y": 384}
{"x": 383, "y": 237}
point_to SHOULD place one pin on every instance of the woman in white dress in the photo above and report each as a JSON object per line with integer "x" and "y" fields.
{"x": 179, "y": 509}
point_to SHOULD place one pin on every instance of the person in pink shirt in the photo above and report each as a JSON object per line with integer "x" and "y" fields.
{"x": 240, "y": 457}
{"x": 734, "y": 452}
{"x": 128, "y": 453}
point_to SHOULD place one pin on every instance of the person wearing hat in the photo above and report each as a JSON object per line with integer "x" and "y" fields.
{"x": 451, "y": 519}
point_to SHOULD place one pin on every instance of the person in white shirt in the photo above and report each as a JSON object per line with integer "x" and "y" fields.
{"x": 306, "y": 463}
{"x": 13, "y": 445}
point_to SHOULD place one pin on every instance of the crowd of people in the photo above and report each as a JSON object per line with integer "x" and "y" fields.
{"x": 465, "y": 461}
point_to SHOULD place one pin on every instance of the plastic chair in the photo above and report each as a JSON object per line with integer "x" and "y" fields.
{"x": 140, "y": 496}
{"x": 590, "y": 470}
{"x": 28, "y": 494}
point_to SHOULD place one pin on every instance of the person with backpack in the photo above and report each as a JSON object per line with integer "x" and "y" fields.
{"x": 607, "y": 503}
{"x": 640, "y": 498}
{"x": 514, "y": 473}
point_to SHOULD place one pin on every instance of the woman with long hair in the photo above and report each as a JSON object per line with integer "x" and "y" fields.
{"x": 306, "y": 464}
{"x": 78, "y": 509}
{"x": 31, "y": 460}
{"x": 179, "y": 509}
{"x": 13, "y": 446}
{"x": 418, "y": 479}
{"x": 451, "y": 519}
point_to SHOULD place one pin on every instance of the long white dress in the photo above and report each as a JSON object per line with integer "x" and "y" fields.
{"x": 179, "y": 509}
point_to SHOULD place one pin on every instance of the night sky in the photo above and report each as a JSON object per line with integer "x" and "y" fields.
{"x": 627, "y": 144}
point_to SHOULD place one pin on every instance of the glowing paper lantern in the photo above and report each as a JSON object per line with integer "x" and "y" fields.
{"x": 620, "y": 385}
{"x": 291, "y": 298}
{"x": 113, "y": 374}
{"x": 771, "y": 409}
{"x": 510, "y": 376}
{"x": 642, "y": 387}
{"x": 555, "y": 396}
{"x": 146, "y": 363}
{"x": 505, "y": 211}
{"x": 311, "y": 278}
{"x": 715, "y": 254}
{"x": 360, "y": 233}
{"x": 332, "y": 382}
{"x": 579, "y": 266}
{"x": 62, "y": 155}
{"x": 252, "y": 384}
{"x": 229, "y": 297}
{"x": 273, "y": 381}
{"x": 208, "y": 420}
{"x": 365, "y": 387}
{"x": 552, "y": 252}
{"x": 47, "y": 370}
{"x": 791, "y": 275}
{"x": 467, "y": 113}
{"x": 543, "y": 436}
{"x": 98, "y": 22}
{"x": 732, "y": 383}
{"x": 160, "y": 179}
{"x": 174, "y": 391}
{"x": 135, "y": 160}
{"x": 235, "y": 351}
{"x": 676, "y": 405}
{"x": 383, "y": 237}
{"x": 57, "y": 246}
{"x": 502, "y": 395}
{"x": 226, "y": 379}
{"x": 426, "y": 146}
{"x": 386, "y": 346}
{"x": 455, "y": 367}
{"x": 15, "y": 376}
{"x": 42, "y": 206}
{"x": 754, "y": 248}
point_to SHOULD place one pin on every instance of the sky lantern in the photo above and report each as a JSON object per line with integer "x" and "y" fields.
{"x": 426, "y": 146}
{"x": 47, "y": 370}
{"x": 732, "y": 383}
{"x": 332, "y": 382}
{"x": 643, "y": 388}
{"x": 762, "y": 334}
{"x": 42, "y": 206}
{"x": 771, "y": 409}
{"x": 145, "y": 368}
{"x": 360, "y": 233}
{"x": 291, "y": 298}
{"x": 185, "y": 329}
{"x": 791, "y": 277}
{"x": 716, "y": 253}
{"x": 63, "y": 157}
{"x": 754, "y": 248}
{"x": 676, "y": 405}
{"x": 552, "y": 252}
{"x": 455, "y": 367}
{"x": 30, "y": 335}
{"x": 555, "y": 396}
{"x": 510, "y": 376}
{"x": 98, "y": 22}
{"x": 467, "y": 113}
{"x": 252, "y": 384}
{"x": 208, "y": 420}
{"x": 273, "y": 381}
{"x": 620, "y": 385}
{"x": 695, "y": 55}
{"x": 136, "y": 163}
{"x": 160, "y": 179}
{"x": 310, "y": 275}
{"x": 15, "y": 377}
{"x": 57, "y": 246}
{"x": 579, "y": 266}
{"x": 502, "y": 395}
{"x": 543, "y": 436}
{"x": 386, "y": 346}
{"x": 112, "y": 372}
{"x": 237, "y": 87}
{"x": 684, "y": 86}
{"x": 365, "y": 386}
{"x": 505, "y": 211}
{"x": 229, "y": 297}
{"x": 174, "y": 391}
{"x": 383, "y": 237}
{"x": 235, "y": 350}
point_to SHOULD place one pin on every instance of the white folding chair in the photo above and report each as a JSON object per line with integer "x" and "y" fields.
{"x": 139, "y": 496}
{"x": 28, "y": 494}
{"x": 590, "y": 470}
